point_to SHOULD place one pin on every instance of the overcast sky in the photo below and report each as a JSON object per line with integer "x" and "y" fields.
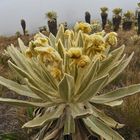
{"x": 33, "y": 11}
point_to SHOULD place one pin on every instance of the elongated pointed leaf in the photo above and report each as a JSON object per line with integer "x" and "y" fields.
{"x": 118, "y": 69}
{"x": 33, "y": 80}
{"x": 78, "y": 110}
{"x": 19, "y": 89}
{"x": 52, "y": 40}
{"x": 60, "y": 34}
{"x": 88, "y": 77}
{"x": 101, "y": 129}
{"x": 108, "y": 120}
{"x": 49, "y": 116}
{"x": 108, "y": 63}
{"x": 22, "y": 46}
{"x": 114, "y": 103}
{"x": 69, "y": 124}
{"x": 117, "y": 94}
{"x": 60, "y": 48}
{"x": 79, "y": 40}
{"x": 41, "y": 94}
{"x": 66, "y": 87}
{"x": 49, "y": 77}
{"x": 24, "y": 103}
{"x": 25, "y": 67}
{"x": 21, "y": 72}
{"x": 92, "y": 89}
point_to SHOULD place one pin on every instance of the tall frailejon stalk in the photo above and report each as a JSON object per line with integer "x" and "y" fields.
{"x": 23, "y": 25}
{"x": 116, "y": 18}
{"x": 138, "y": 18}
{"x": 87, "y": 17}
{"x": 52, "y": 22}
{"x": 64, "y": 77}
{"x": 128, "y": 19}
{"x": 104, "y": 16}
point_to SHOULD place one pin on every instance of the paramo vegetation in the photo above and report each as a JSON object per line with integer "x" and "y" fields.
{"x": 67, "y": 78}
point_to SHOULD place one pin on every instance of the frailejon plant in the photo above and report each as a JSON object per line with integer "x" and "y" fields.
{"x": 96, "y": 26}
{"x": 87, "y": 17}
{"x": 23, "y": 25}
{"x": 128, "y": 19}
{"x": 52, "y": 21}
{"x": 116, "y": 18}
{"x": 104, "y": 16}
{"x": 64, "y": 76}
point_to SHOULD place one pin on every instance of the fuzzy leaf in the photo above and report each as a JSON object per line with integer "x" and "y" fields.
{"x": 66, "y": 87}
{"x": 108, "y": 120}
{"x": 114, "y": 103}
{"x": 69, "y": 124}
{"x": 52, "y": 40}
{"x": 19, "y": 89}
{"x": 24, "y": 103}
{"x": 92, "y": 89}
{"x": 22, "y": 46}
{"x": 118, "y": 69}
{"x": 49, "y": 116}
{"x": 78, "y": 110}
{"x": 60, "y": 48}
{"x": 60, "y": 34}
{"x": 117, "y": 94}
{"x": 111, "y": 60}
{"x": 86, "y": 78}
{"x": 79, "y": 40}
{"x": 101, "y": 129}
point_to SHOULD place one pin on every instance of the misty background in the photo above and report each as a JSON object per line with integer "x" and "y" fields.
{"x": 33, "y": 11}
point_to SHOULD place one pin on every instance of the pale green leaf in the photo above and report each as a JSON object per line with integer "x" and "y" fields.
{"x": 114, "y": 103}
{"x": 52, "y": 40}
{"x": 66, "y": 87}
{"x": 108, "y": 120}
{"x": 79, "y": 40}
{"x": 60, "y": 34}
{"x": 101, "y": 129}
{"x": 69, "y": 124}
{"x": 38, "y": 92}
{"x": 117, "y": 94}
{"x": 61, "y": 49}
{"x": 25, "y": 103}
{"x": 19, "y": 89}
{"x": 111, "y": 60}
{"x": 92, "y": 89}
{"x": 22, "y": 46}
{"x": 118, "y": 69}
{"x": 49, "y": 116}
{"x": 80, "y": 110}
{"x": 85, "y": 78}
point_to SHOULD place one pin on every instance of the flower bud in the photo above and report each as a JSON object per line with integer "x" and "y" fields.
{"x": 83, "y": 61}
{"x": 74, "y": 52}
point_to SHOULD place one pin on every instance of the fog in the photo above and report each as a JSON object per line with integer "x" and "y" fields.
{"x": 33, "y": 11}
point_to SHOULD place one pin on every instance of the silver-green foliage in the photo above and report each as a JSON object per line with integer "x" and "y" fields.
{"x": 74, "y": 98}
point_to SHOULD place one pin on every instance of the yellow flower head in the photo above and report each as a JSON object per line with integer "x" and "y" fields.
{"x": 48, "y": 53}
{"x": 100, "y": 48}
{"x": 41, "y": 42}
{"x": 111, "y": 38}
{"x": 100, "y": 56}
{"x": 74, "y": 52}
{"x": 85, "y": 27}
{"x": 68, "y": 33}
{"x": 83, "y": 61}
{"x": 55, "y": 72}
{"x": 28, "y": 53}
{"x": 102, "y": 33}
{"x": 97, "y": 40}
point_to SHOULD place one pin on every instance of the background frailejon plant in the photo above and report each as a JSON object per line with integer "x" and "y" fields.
{"x": 64, "y": 76}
